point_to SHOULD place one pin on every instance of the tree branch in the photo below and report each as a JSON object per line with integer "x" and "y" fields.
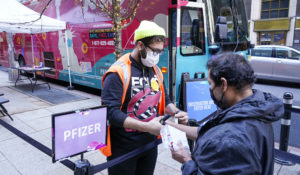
{"x": 128, "y": 7}
{"x": 104, "y": 7}
{"x": 133, "y": 11}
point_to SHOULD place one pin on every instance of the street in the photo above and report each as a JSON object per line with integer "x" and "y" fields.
{"x": 277, "y": 89}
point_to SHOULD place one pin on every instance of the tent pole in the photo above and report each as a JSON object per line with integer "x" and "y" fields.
{"x": 32, "y": 54}
{"x": 70, "y": 87}
{"x": 10, "y": 43}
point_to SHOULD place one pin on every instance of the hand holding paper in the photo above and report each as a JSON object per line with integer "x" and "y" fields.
{"x": 181, "y": 154}
{"x": 176, "y": 141}
{"x": 172, "y": 136}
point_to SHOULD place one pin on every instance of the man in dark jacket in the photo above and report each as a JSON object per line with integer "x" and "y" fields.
{"x": 238, "y": 139}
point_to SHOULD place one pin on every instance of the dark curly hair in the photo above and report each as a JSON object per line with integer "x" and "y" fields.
{"x": 233, "y": 67}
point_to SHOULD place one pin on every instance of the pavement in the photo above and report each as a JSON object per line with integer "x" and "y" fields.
{"x": 32, "y": 116}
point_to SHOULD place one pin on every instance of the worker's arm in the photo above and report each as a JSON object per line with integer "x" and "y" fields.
{"x": 191, "y": 131}
{"x": 153, "y": 126}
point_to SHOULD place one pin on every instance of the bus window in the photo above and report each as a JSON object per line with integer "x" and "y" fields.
{"x": 192, "y": 35}
{"x": 235, "y": 14}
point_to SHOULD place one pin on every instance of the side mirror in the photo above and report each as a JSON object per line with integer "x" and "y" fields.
{"x": 221, "y": 29}
{"x": 250, "y": 47}
{"x": 213, "y": 49}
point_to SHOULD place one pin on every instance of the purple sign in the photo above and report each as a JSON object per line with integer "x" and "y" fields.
{"x": 78, "y": 132}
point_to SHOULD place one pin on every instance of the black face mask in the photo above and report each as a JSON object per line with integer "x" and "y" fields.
{"x": 219, "y": 103}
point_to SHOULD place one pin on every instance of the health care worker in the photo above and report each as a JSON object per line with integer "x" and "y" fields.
{"x": 133, "y": 90}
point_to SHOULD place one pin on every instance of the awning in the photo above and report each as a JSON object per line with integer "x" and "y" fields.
{"x": 272, "y": 24}
{"x": 17, "y": 18}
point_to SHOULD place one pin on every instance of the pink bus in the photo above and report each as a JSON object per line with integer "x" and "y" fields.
{"x": 190, "y": 27}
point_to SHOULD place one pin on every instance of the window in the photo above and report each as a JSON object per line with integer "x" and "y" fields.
{"x": 281, "y": 53}
{"x": 269, "y": 38}
{"x": 49, "y": 62}
{"x": 279, "y": 38}
{"x": 287, "y": 53}
{"x": 192, "y": 39}
{"x": 274, "y": 8}
{"x": 295, "y": 55}
{"x": 265, "y": 39}
{"x": 262, "y": 52}
{"x": 237, "y": 23}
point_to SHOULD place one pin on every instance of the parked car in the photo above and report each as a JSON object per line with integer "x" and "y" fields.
{"x": 273, "y": 62}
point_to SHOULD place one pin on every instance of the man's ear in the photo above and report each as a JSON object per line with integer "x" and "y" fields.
{"x": 141, "y": 49}
{"x": 224, "y": 83}
{"x": 140, "y": 45}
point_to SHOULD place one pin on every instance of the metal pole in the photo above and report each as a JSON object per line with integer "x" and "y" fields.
{"x": 286, "y": 121}
{"x": 32, "y": 54}
{"x": 11, "y": 77}
{"x": 68, "y": 58}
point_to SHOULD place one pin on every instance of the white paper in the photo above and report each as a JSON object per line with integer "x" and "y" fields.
{"x": 171, "y": 136}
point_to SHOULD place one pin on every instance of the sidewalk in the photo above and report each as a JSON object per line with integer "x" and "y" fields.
{"x": 33, "y": 117}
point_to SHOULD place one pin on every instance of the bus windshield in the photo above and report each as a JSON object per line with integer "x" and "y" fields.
{"x": 234, "y": 11}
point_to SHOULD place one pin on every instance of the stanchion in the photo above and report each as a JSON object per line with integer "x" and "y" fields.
{"x": 286, "y": 121}
{"x": 83, "y": 167}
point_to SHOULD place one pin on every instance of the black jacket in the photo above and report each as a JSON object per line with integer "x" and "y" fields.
{"x": 238, "y": 140}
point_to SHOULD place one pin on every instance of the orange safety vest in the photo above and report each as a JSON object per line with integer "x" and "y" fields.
{"x": 123, "y": 68}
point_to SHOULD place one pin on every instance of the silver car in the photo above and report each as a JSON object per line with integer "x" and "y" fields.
{"x": 276, "y": 63}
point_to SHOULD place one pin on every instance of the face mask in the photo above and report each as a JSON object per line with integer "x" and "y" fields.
{"x": 219, "y": 103}
{"x": 150, "y": 59}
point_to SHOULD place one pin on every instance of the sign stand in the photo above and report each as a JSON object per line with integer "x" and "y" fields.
{"x": 195, "y": 100}
{"x": 83, "y": 167}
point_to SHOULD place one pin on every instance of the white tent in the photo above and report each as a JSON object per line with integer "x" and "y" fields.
{"x": 17, "y": 18}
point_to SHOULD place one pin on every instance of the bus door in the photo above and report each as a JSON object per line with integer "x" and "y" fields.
{"x": 172, "y": 51}
{"x": 188, "y": 49}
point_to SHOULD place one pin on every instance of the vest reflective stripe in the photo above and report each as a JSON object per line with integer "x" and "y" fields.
{"x": 160, "y": 77}
{"x": 122, "y": 68}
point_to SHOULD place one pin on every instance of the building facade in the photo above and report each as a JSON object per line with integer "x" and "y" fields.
{"x": 274, "y": 22}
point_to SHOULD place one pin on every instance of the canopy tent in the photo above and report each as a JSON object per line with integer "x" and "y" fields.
{"x": 17, "y": 18}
